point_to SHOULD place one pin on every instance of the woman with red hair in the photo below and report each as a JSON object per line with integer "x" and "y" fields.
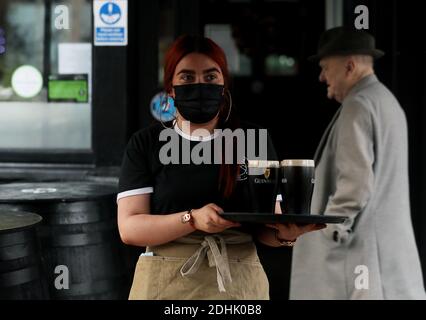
{"x": 175, "y": 209}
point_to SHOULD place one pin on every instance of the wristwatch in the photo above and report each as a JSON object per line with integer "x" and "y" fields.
{"x": 282, "y": 242}
{"x": 187, "y": 218}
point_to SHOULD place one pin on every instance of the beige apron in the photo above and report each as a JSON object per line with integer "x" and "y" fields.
{"x": 222, "y": 266}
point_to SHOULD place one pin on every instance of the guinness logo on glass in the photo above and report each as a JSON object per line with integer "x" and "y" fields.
{"x": 267, "y": 173}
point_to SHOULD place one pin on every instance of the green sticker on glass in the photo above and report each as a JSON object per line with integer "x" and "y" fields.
{"x": 68, "y": 88}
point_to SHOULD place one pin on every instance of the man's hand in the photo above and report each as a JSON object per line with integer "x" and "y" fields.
{"x": 291, "y": 231}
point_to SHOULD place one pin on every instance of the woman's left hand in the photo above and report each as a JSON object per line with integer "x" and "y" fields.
{"x": 291, "y": 231}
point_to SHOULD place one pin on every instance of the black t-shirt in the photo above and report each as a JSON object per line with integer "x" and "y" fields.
{"x": 176, "y": 187}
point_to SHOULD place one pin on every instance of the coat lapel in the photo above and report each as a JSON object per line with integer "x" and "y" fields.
{"x": 324, "y": 138}
{"x": 365, "y": 82}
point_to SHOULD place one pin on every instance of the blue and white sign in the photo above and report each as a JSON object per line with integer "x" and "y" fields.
{"x": 163, "y": 107}
{"x": 111, "y": 27}
{"x": 110, "y": 13}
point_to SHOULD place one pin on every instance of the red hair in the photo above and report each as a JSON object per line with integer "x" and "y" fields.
{"x": 187, "y": 44}
{"x": 183, "y": 46}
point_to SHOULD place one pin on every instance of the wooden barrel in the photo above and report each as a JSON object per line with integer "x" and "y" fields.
{"x": 79, "y": 235}
{"x": 21, "y": 272}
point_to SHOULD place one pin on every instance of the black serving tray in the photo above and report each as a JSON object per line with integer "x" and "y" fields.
{"x": 282, "y": 218}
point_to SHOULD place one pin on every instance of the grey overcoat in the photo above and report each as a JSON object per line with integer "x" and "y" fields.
{"x": 361, "y": 172}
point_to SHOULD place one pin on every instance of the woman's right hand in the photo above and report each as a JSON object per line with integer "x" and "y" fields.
{"x": 208, "y": 219}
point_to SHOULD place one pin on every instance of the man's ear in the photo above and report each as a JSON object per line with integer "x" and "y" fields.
{"x": 350, "y": 66}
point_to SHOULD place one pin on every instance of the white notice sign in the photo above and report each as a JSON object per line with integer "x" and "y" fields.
{"x": 110, "y": 22}
{"x": 76, "y": 58}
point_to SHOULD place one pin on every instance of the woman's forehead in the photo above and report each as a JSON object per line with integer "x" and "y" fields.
{"x": 197, "y": 62}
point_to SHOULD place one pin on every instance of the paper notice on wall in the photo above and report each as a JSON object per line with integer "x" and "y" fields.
{"x": 76, "y": 58}
{"x": 110, "y": 22}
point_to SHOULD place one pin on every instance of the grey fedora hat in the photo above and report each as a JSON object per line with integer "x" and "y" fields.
{"x": 341, "y": 41}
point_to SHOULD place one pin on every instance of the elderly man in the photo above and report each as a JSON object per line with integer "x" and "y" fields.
{"x": 362, "y": 173}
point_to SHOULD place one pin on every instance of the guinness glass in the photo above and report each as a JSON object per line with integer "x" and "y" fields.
{"x": 297, "y": 185}
{"x": 263, "y": 181}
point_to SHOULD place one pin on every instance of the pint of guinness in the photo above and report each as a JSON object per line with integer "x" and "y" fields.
{"x": 297, "y": 185}
{"x": 263, "y": 178}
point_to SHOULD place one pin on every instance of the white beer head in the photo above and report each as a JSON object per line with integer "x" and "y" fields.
{"x": 298, "y": 163}
{"x": 263, "y": 164}
{"x": 260, "y": 167}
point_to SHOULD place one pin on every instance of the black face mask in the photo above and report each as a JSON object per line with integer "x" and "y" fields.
{"x": 199, "y": 102}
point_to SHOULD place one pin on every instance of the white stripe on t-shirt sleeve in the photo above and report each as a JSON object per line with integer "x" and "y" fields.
{"x": 135, "y": 192}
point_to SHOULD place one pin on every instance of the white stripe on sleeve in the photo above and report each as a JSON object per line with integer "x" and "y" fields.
{"x": 135, "y": 192}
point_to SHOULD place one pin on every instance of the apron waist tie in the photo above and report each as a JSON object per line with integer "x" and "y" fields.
{"x": 216, "y": 257}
